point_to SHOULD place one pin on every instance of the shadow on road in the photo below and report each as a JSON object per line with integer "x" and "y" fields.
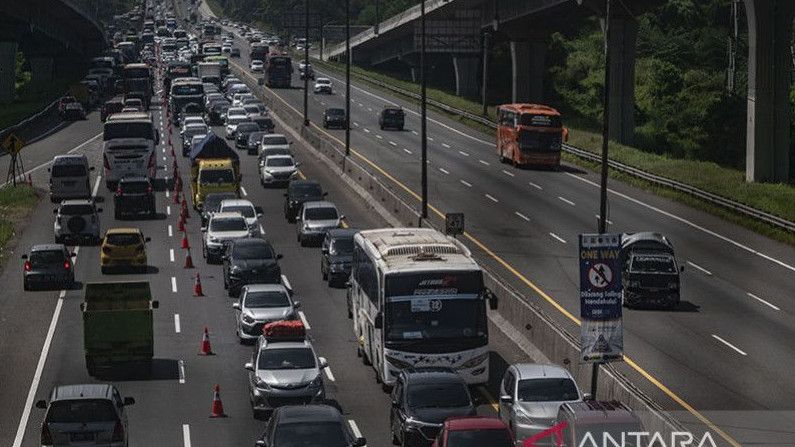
{"x": 161, "y": 369}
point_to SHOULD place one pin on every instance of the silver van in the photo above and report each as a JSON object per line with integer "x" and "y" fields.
{"x": 69, "y": 178}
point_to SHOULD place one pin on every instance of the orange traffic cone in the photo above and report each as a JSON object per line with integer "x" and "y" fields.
{"x": 176, "y": 195}
{"x": 188, "y": 260}
{"x": 185, "y": 243}
{"x": 185, "y": 207}
{"x": 197, "y": 286}
{"x": 181, "y": 224}
{"x": 205, "y": 347}
{"x": 178, "y": 185}
{"x": 218, "y": 406}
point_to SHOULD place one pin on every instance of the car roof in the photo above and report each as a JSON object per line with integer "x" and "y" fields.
{"x": 133, "y": 178}
{"x": 228, "y": 216}
{"x": 77, "y": 202}
{"x": 266, "y": 288}
{"x": 431, "y": 375}
{"x": 319, "y": 204}
{"x": 297, "y": 414}
{"x": 123, "y": 230}
{"x": 461, "y": 423}
{"x": 342, "y": 233}
{"x": 47, "y": 247}
{"x": 540, "y": 370}
{"x": 295, "y": 183}
{"x": 236, "y": 202}
{"x": 279, "y": 156}
{"x": 84, "y": 391}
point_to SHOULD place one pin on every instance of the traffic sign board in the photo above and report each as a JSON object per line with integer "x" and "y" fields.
{"x": 13, "y": 144}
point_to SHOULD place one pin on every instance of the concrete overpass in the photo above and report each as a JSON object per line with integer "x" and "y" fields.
{"x": 526, "y": 24}
{"x": 56, "y": 36}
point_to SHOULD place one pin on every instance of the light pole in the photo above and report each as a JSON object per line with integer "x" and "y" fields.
{"x": 347, "y": 78}
{"x": 306, "y": 62}
{"x": 423, "y": 108}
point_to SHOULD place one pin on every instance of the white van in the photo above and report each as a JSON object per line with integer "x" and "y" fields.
{"x": 69, "y": 178}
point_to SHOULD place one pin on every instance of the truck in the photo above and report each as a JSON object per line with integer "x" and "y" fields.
{"x": 185, "y": 91}
{"x": 117, "y": 324}
{"x": 259, "y": 52}
{"x": 209, "y": 72}
{"x": 138, "y": 80}
{"x": 215, "y": 167}
{"x": 278, "y": 71}
{"x": 650, "y": 273}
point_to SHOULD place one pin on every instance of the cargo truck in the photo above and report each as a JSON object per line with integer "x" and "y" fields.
{"x": 209, "y": 72}
{"x": 117, "y": 325}
{"x": 215, "y": 167}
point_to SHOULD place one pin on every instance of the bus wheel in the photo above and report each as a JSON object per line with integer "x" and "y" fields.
{"x": 502, "y": 157}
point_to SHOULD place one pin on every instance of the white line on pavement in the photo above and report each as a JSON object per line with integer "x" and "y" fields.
{"x": 735, "y": 348}
{"x": 186, "y": 434}
{"x": 174, "y": 284}
{"x": 484, "y": 162}
{"x": 303, "y": 319}
{"x": 443, "y": 170}
{"x": 181, "y": 364}
{"x": 330, "y": 376}
{"x": 96, "y": 186}
{"x": 698, "y": 267}
{"x": 355, "y": 428}
{"x": 538, "y": 187}
{"x": 369, "y": 109}
{"x": 430, "y": 138}
{"x": 177, "y": 328}
{"x": 492, "y": 198}
{"x": 565, "y": 200}
{"x": 356, "y": 124}
{"x": 168, "y": 209}
{"x": 366, "y": 130}
{"x": 171, "y": 252}
{"x": 522, "y": 216}
{"x": 393, "y": 143}
{"x": 466, "y": 183}
{"x": 508, "y": 173}
{"x": 445, "y": 145}
{"x": 243, "y": 191}
{"x": 170, "y": 231}
{"x": 407, "y": 151}
{"x": 379, "y": 137}
{"x": 463, "y": 153}
{"x": 261, "y": 230}
{"x": 168, "y": 194}
{"x": 610, "y": 222}
{"x": 766, "y": 303}
{"x": 559, "y": 239}
{"x": 361, "y": 105}
{"x": 414, "y": 132}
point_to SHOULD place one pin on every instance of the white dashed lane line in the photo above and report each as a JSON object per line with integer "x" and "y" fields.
{"x": 538, "y": 187}
{"x": 731, "y": 346}
{"x": 168, "y": 210}
{"x": 444, "y": 171}
{"x": 393, "y": 143}
{"x": 699, "y": 268}
{"x": 171, "y": 254}
{"x": 463, "y": 153}
{"x": 508, "y": 173}
{"x": 170, "y": 231}
{"x": 492, "y": 198}
{"x": 243, "y": 191}
{"x": 558, "y": 238}
{"x": 766, "y": 303}
{"x": 303, "y": 319}
{"x": 186, "y": 435}
{"x": 355, "y": 428}
{"x": 407, "y": 151}
{"x": 177, "y": 327}
{"x": 466, "y": 183}
{"x": 181, "y": 364}
{"x": 414, "y": 132}
{"x": 522, "y": 216}
{"x": 366, "y": 130}
{"x": 609, "y": 222}
{"x": 484, "y": 162}
{"x": 445, "y": 145}
{"x": 565, "y": 200}
{"x": 174, "y": 284}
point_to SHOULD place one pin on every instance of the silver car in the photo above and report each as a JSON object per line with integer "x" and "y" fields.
{"x": 532, "y": 393}
{"x": 314, "y": 219}
{"x": 285, "y": 372}
{"x": 278, "y": 170}
{"x": 260, "y": 304}
{"x": 222, "y": 228}
{"x": 77, "y": 221}
{"x": 91, "y": 414}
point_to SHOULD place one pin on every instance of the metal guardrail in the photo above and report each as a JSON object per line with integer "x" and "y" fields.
{"x": 20, "y": 126}
{"x": 714, "y": 199}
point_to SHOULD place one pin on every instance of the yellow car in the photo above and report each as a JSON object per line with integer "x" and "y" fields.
{"x": 123, "y": 247}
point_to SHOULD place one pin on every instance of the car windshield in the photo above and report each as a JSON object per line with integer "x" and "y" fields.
{"x": 547, "y": 390}
{"x": 245, "y": 210}
{"x": 251, "y": 108}
{"x": 341, "y": 246}
{"x": 393, "y": 112}
{"x": 258, "y": 300}
{"x": 236, "y": 119}
{"x": 255, "y": 137}
{"x": 286, "y": 358}
{"x": 123, "y": 239}
{"x": 81, "y": 411}
{"x": 253, "y": 251}
{"x": 77, "y": 210}
{"x": 228, "y": 224}
{"x": 213, "y": 201}
{"x": 653, "y": 264}
{"x": 336, "y": 112}
{"x": 438, "y": 395}
{"x": 302, "y": 435}
{"x": 305, "y": 190}
{"x": 188, "y": 89}
{"x": 76, "y": 170}
{"x": 216, "y": 176}
{"x": 278, "y": 161}
{"x": 128, "y": 129}
{"x": 46, "y": 257}
{"x": 247, "y": 128}
{"x": 274, "y": 141}
{"x": 479, "y": 438}
{"x": 324, "y": 213}
{"x": 134, "y": 187}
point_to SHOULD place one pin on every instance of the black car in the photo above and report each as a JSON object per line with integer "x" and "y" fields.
{"x": 110, "y": 107}
{"x": 391, "y": 117}
{"x": 242, "y": 132}
{"x": 298, "y": 192}
{"x": 217, "y": 112}
{"x": 235, "y": 52}
{"x": 134, "y": 195}
{"x": 212, "y": 203}
{"x": 264, "y": 122}
{"x": 421, "y": 401}
{"x": 254, "y": 140}
{"x": 334, "y": 117}
{"x": 337, "y": 255}
{"x": 250, "y": 261}
{"x": 315, "y": 425}
{"x": 48, "y": 265}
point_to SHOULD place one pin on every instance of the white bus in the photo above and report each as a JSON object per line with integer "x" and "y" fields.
{"x": 418, "y": 299}
{"x": 128, "y": 148}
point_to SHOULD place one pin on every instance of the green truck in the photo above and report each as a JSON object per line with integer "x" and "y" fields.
{"x": 117, "y": 324}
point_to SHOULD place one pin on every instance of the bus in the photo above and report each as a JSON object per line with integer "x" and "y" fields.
{"x": 530, "y": 134}
{"x": 128, "y": 147}
{"x": 185, "y": 91}
{"x": 417, "y": 299}
{"x": 138, "y": 80}
{"x": 279, "y": 71}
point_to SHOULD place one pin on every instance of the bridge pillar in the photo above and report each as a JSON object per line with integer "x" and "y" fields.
{"x": 41, "y": 70}
{"x": 466, "y": 75}
{"x": 528, "y": 66}
{"x": 623, "y": 39}
{"x": 767, "y": 156}
{"x": 8, "y": 71}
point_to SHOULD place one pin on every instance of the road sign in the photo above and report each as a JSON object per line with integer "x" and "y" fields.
{"x": 13, "y": 144}
{"x": 601, "y": 331}
{"x": 454, "y": 224}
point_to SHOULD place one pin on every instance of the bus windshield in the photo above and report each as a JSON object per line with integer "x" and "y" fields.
{"x": 187, "y": 89}
{"x": 136, "y": 73}
{"x": 537, "y": 120}
{"x": 128, "y": 129}
{"x": 434, "y": 305}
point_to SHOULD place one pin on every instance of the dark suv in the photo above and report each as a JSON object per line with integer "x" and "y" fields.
{"x": 250, "y": 261}
{"x": 298, "y": 192}
{"x": 391, "y": 117}
{"x": 337, "y": 249}
{"x": 47, "y": 265}
{"x": 317, "y": 425}
{"x": 334, "y": 117}
{"x": 242, "y": 132}
{"x": 134, "y": 195}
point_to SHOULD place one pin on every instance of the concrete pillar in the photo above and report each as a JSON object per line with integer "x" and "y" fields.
{"x": 466, "y": 76}
{"x": 415, "y": 74}
{"x": 528, "y": 67}
{"x": 623, "y": 40}
{"x": 8, "y": 72}
{"x": 767, "y": 156}
{"x": 41, "y": 71}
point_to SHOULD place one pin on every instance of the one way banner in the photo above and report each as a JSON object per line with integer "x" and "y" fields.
{"x": 601, "y": 332}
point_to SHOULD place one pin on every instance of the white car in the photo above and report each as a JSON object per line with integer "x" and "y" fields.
{"x": 222, "y": 227}
{"x": 273, "y": 141}
{"x": 191, "y": 119}
{"x": 278, "y": 169}
{"x": 234, "y": 116}
{"x": 246, "y": 209}
{"x": 238, "y": 99}
{"x": 257, "y": 66}
{"x": 323, "y": 85}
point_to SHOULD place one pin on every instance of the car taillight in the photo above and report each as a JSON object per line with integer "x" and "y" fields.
{"x": 67, "y": 265}
{"x": 27, "y": 266}
{"x": 149, "y": 190}
{"x": 46, "y": 436}
{"x": 118, "y": 433}
{"x": 106, "y": 162}
{"x": 118, "y": 191}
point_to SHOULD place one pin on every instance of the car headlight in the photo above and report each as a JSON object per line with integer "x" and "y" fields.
{"x": 471, "y": 363}
{"x": 247, "y": 319}
{"x": 337, "y": 267}
{"x": 261, "y": 383}
{"x": 316, "y": 382}
{"x": 397, "y": 363}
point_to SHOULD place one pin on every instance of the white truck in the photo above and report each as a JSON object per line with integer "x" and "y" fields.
{"x": 209, "y": 72}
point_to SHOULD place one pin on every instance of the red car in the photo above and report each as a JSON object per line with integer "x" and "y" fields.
{"x": 474, "y": 431}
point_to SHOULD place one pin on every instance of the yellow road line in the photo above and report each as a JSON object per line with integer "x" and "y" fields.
{"x": 492, "y": 401}
{"x": 654, "y": 381}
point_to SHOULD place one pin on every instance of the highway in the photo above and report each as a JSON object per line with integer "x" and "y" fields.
{"x": 720, "y": 350}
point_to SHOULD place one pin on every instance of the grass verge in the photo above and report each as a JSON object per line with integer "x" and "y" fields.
{"x": 774, "y": 198}
{"x": 15, "y": 205}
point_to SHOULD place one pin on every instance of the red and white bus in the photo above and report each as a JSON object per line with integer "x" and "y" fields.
{"x": 530, "y": 134}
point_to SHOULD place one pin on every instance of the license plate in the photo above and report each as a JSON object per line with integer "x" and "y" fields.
{"x": 82, "y": 437}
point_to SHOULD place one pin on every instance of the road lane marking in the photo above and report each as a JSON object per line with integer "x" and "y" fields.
{"x": 96, "y": 186}
{"x": 565, "y": 200}
{"x": 170, "y": 231}
{"x": 186, "y": 435}
{"x": 243, "y": 191}
{"x": 369, "y": 109}
{"x": 171, "y": 254}
{"x": 443, "y": 170}
{"x": 261, "y": 230}
{"x": 610, "y": 222}
{"x": 430, "y": 139}
{"x": 463, "y": 153}
{"x": 330, "y": 376}
{"x": 361, "y": 105}
{"x": 177, "y": 327}
{"x": 168, "y": 210}
{"x": 167, "y": 194}
{"x": 538, "y": 187}
{"x": 484, "y": 162}
{"x": 445, "y": 145}
{"x": 698, "y": 267}
{"x": 393, "y": 143}
{"x": 766, "y": 303}
{"x": 174, "y": 284}
{"x": 366, "y": 130}
{"x": 407, "y": 151}
{"x": 559, "y": 239}
{"x": 379, "y": 137}
{"x": 414, "y": 132}
{"x": 508, "y": 173}
{"x": 181, "y": 364}
{"x": 354, "y": 428}
{"x": 492, "y": 198}
{"x": 735, "y": 348}
{"x": 303, "y": 319}
{"x": 466, "y": 183}
{"x": 522, "y": 216}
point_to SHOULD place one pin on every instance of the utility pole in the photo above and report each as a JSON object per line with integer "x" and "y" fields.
{"x": 347, "y": 78}
{"x": 424, "y": 118}
{"x": 484, "y": 45}
{"x": 306, "y": 62}
{"x": 377, "y": 17}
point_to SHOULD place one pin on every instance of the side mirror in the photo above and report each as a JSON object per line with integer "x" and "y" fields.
{"x": 236, "y": 306}
{"x": 587, "y": 396}
{"x": 296, "y": 304}
{"x": 147, "y": 239}
{"x": 155, "y": 304}
{"x": 259, "y": 215}
{"x": 129, "y": 401}
{"x": 41, "y": 404}
{"x": 249, "y": 366}
{"x": 323, "y": 362}
{"x": 379, "y": 321}
{"x": 505, "y": 398}
{"x": 494, "y": 302}
{"x": 279, "y": 256}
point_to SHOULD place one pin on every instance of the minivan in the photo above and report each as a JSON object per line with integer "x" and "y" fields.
{"x": 69, "y": 178}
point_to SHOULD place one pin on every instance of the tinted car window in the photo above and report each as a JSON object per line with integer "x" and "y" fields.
{"x": 335, "y": 112}
{"x": 650, "y": 263}
{"x": 68, "y": 170}
{"x": 305, "y": 190}
{"x": 46, "y": 257}
{"x": 274, "y": 141}
{"x": 246, "y": 211}
{"x": 547, "y": 390}
{"x": 82, "y": 410}
{"x": 320, "y": 213}
{"x": 299, "y": 435}
{"x": 247, "y": 127}
{"x": 123, "y": 239}
{"x": 134, "y": 187}
{"x": 438, "y": 395}
{"x": 266, "y": 299}
{"x": 228, "y": 225}
{"x": 286, "y": 358}
{"x": 279, "y": 162}
{"x": 73, "y": 210}
{"x": 341, "y": 247}
{"x": 253, "y": 251}
{"x": 479, "y": 438}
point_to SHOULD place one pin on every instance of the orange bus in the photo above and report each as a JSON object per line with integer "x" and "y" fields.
{"x": 530, "y": 134}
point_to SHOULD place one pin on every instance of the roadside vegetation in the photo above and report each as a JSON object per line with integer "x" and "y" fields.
{"x": 27, "y": 102}
{"x": 15, "y": 205}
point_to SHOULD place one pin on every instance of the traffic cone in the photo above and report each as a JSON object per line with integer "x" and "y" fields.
{"x": 178, "y": 185}
{"x": 205, "y": 347}
{"x": 181, "y": 224}
{"x": 30, "y": 179}
{"x": 176, "y": 191}
{"x": 185, "y": 207}
{"x": 188, "y": 260}
{"x": 218, "y": 406}
{"x": 185, "y": 243}
{"x": 197, "y": 286}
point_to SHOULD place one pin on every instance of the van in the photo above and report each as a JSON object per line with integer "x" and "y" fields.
{"x": 69, "y": 178}
{"x": 598, "y": 420}
{"x": 215, "y": 176}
